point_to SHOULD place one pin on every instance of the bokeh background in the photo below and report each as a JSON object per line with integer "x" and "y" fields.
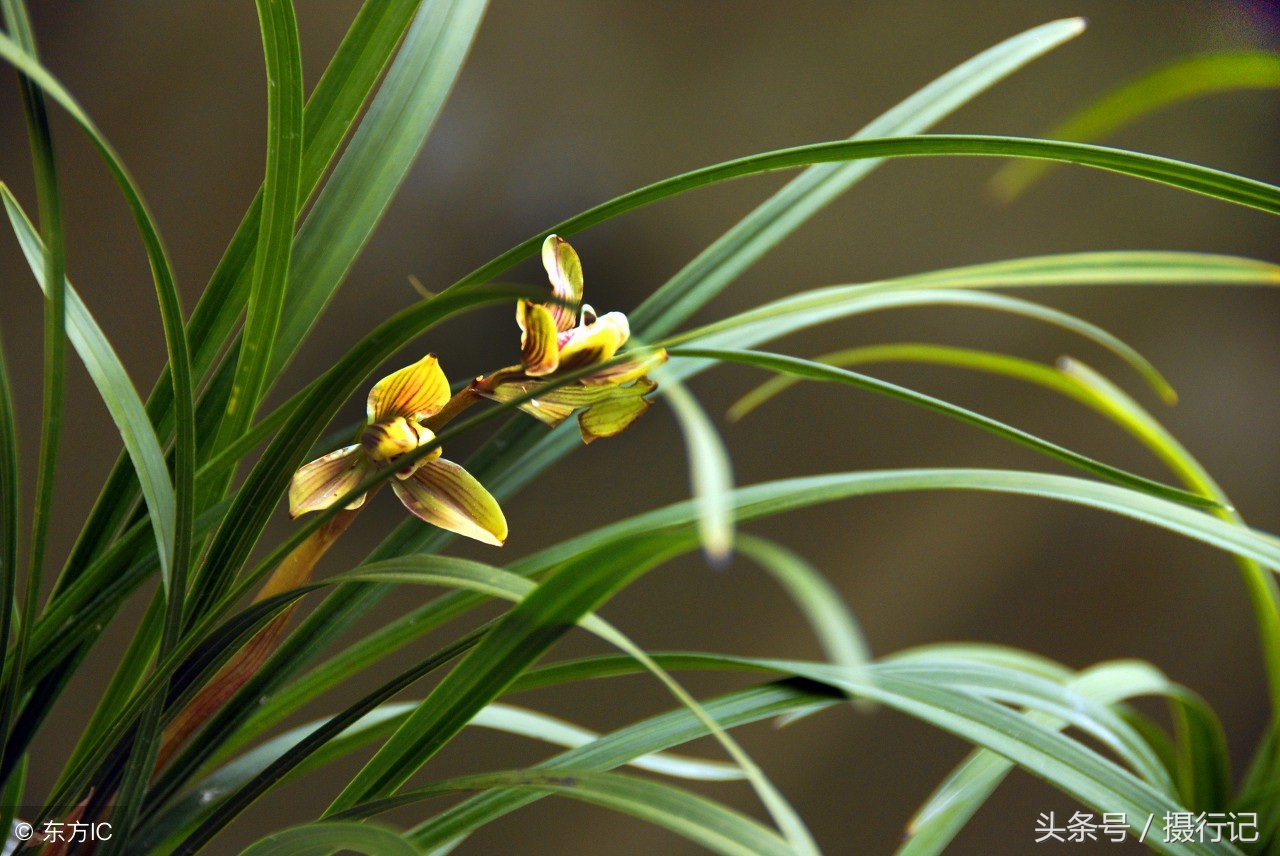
{"x": 565, "y": 104}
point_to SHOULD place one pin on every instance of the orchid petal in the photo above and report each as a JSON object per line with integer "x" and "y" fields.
{"x": 445, "y": 495}
{"x": 552, "y": 412}
{"x": 612, "y": 415}
{"x": 595, "y": 343}
{"x": 627, "y": 371}
{"x": 316, "y": 485}
{"x": 539, "y": 350}
{"x": 413, "y": 393}
{"x": 565, "y": 272}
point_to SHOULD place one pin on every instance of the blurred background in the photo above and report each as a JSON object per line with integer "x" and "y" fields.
{"x": 566, "y": 104}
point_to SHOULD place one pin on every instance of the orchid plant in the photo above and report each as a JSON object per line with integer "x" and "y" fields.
{"x": 190, "y": 727}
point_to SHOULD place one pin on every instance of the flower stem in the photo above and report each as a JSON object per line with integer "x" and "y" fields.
{"x": 295, "y": 570}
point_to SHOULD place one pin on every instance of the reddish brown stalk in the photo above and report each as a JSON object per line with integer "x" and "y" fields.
{"x": 295, "y": 570}
{"x": 460, "y": 402}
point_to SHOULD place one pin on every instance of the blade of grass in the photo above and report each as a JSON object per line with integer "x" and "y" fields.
{"x": 797, "y": 835}
{"x": 1181, "y": 80}
{"x": 971, "y": 717}
{"x": 377, "y": 724}
{"x": 222, "y": 813}
{"x": 491, "y": 581}
{"x": 1202, "y": 180}
{"x": 731, "y": 254}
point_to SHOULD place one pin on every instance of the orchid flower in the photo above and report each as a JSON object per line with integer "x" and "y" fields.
{"x": 567, "y": 336}
{"x": 438, "y": 491}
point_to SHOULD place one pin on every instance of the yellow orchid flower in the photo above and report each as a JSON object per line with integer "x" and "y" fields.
{"x": 438, "y": 491}
{"x": 568, "y": 336}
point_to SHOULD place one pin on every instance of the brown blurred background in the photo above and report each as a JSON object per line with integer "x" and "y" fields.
{"x": 565, "y": 104}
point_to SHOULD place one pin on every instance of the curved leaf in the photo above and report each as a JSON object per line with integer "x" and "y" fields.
{"x": 1180, "y": 80}
{"x": 706, "y": 823}
{"x": 820, "y": 371}
{"x": 320, "y": 839}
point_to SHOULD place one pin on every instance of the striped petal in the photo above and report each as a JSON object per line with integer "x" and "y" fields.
{"x": 596, "y": 342}
{"x": 414, "y": 393}
{"x": 445, "y": 495}
{"x": 539, "y": 349}
{"x": 625, "y": 372}
{"x": 317, "y": 484}
{"x": 550, "y": 412}
{"x": 565, "y": 272}
{"x": 612, "y": 415}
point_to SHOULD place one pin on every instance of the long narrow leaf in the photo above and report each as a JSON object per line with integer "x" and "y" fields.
{"x": 376, "y": 161}
{"x": 334, "y": 103}
{"x": 706, "y": 823}
{"x": 113, "y": 383}
{"x": 820, "y": 371}
{"x": 319, "y": 839}
{"x": 53, "y": 267}
{"x": 1180, "y": 80}
{"x": 280, "y": 191}
{"x": 166, "y": 290}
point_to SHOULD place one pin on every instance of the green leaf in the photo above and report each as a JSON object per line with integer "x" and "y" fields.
{"x": 722, "y": 262}
{"x": 166, "y": 290}
{"x": 375, "y": 162}
{"x": 320, "y": 839}
{"x": 177, "y": 676}
{"x": 53, "y": 267}
{"x": 333, "y": 106}
{"x": 1180, "y": 80}
{"x": 522, "y": 636}
{"x": 706, "y": 823}
{"x": 9, "y": 524}
{"x": 113, "y": 383}
{"x": 379, "y": 723}
{"x": 280, "y": 192}
{"x": 917, "y": 352}
{"x": 832, "y": 621}
{"x": 819, "y": 371}
{"x": 540, "y": 726}
{"x": 307, "y": 746}
{"x": 920, "y": 686}
{"x": 1224, "y": 186}
{"x": 612, "y": 750}
{"x": 770, "y": 498}
{"x": 710, "y": 470}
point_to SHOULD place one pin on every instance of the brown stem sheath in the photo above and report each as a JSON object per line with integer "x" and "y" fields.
{"x": 294, "y": 571}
